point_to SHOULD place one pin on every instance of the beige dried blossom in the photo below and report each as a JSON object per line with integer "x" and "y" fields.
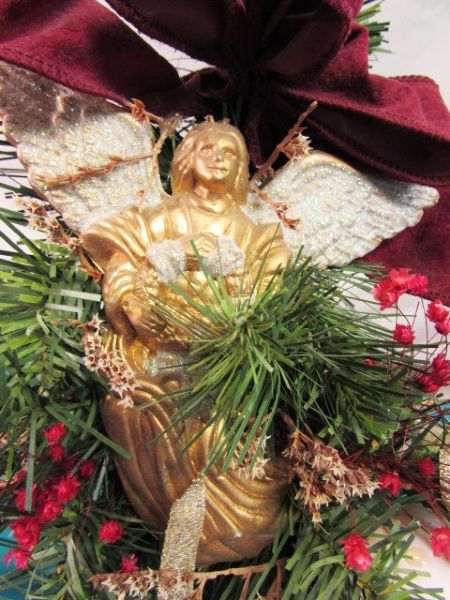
{"x": 323, "y": 476}
{"x": 95, "y": 324}
{"x": 175, "y": 588}
{"x": 298, "y": 146}
{"x": 170, "y": 586}
{"x": 41, "y": 219}
{"x": 109, "y": 365}
{"x": 122, "y": 585}
{"x": 185, "y": 585}
{"x": 245, "y": 469}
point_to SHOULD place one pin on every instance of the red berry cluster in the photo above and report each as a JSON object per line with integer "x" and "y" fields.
{"x": 440, "y": 542}
{"x": 437, "y": 313}
{"x": 357, "y": 556}
{"x": 437, "y": 375}
{"x": 403, "y": 334}
{"x": 391, "y": 482}
{"x": 47, "y": 502}
{"x": 388, "y": 290}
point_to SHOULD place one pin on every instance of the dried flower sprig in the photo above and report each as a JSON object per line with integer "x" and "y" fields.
{"x": 107, "y": 364}
{"x": 251, "y": 467}
{"x": 44, "y": 220}
{"x": 191, "y": 584}
{"x": 323, "y": 476}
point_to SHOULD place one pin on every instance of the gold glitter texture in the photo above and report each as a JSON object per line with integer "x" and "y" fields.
{"x": 184, "y": 529}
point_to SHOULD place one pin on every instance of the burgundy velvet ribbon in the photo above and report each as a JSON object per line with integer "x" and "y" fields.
{"x": 273, "y": 58}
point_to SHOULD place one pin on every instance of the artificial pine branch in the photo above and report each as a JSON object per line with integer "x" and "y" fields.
{"x": 377, "y": 29}
{"x": 292, "y": 347}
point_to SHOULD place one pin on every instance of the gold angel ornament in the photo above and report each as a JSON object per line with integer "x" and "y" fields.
{"x": 94, "y": 162}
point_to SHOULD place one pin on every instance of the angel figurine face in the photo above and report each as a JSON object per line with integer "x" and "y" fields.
{"x": 215, "y": 163}
{"x": 212, "y": 160}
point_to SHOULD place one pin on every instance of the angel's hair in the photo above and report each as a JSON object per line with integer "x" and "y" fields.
{"x": 182, "y": 172}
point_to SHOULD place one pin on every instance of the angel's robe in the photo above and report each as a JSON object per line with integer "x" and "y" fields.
{"x": 242, "y": 515}
{"x": 119, "y": 245}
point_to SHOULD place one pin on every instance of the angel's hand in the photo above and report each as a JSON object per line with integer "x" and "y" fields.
{"x": 170, "y": 258}
{"x": 204, "y": 244}
{"x": 118, "y": 281}
{"x": 145, "y": 322}
{"x": 118, "y": 319}
{"x": 239, "y": 283}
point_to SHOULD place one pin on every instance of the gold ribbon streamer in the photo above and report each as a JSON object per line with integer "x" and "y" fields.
{"x": 183, "y": 533}
{"x": 444, "y": 473}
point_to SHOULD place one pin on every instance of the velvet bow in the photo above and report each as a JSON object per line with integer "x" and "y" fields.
{"x": 269, "y": 60}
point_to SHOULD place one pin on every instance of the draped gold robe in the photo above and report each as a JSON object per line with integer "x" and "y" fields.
{"x": 242, "y": 514}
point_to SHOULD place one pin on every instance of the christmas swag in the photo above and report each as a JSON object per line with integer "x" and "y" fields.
{"x": 199, "y": 397}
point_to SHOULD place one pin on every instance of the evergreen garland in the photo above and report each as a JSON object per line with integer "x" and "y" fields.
{"x": 299, "y": 347}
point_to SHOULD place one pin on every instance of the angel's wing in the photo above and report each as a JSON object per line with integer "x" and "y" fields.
{"x": 342, "y": 213}
{"x": 85, "y": 155}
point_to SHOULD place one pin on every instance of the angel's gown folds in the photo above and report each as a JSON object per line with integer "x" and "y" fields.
{"x": 242, "y": 514}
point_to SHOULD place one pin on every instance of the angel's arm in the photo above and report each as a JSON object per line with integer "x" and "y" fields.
{"x": 118, "y": 277}
{"x": 118, "y": 284}
{"x": 118, "y": 246}
{"x": 268, "y": 250}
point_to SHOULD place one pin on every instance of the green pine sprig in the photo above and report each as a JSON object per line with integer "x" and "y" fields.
{"x": 45, "y": 298}
{"x": 296, "y": 346}
{"x": 377, "y": 29}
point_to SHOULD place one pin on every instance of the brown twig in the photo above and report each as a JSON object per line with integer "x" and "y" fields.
{"x": 167, "y": 127}
{"x": 83, "y": 172}
{"x": 290, "y": 147}
{"x": 167, "y": 579}
{"x": 141, "y": 114}
{"x": 280, "y": 208}
{"x": 286, "y": 145}
{"x": 275, "y": 589}
{"x": 88, "y": 267}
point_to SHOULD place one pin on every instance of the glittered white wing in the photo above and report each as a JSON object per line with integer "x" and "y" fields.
{"x": 86, "y": 156}
{"x": 342, "y": 214}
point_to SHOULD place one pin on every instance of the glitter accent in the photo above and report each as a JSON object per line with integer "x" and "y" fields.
{"x": 444, "y": 473}
{"x": 226, "y": 258}
{"x": 168, "y": 258}
{"x": 64, "y": 136}
{"x": 343, "y": 214}
{"x": 166, "y": 361}
{"x": 183, "y": 532}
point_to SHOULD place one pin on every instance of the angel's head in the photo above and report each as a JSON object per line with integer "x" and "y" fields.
{"x": 213, "y": 158}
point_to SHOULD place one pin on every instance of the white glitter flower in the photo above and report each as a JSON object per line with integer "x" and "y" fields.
{"x": 226, "y": 258}
{"x": 168, "y": 258}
